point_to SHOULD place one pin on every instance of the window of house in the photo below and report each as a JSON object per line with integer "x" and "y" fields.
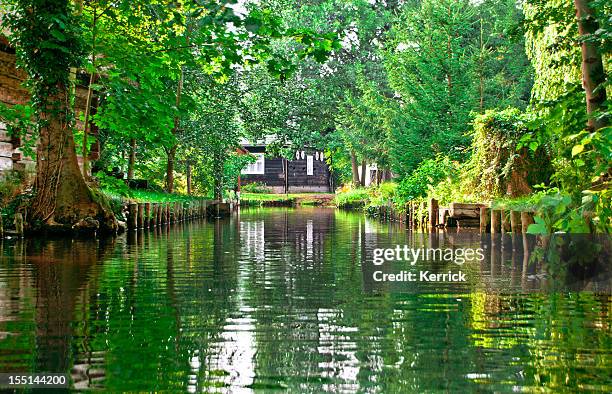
{"x": 258, "y": 167}
{"x": 309, "y": 165}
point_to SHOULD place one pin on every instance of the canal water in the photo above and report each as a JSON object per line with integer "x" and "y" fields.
{"x": 284, "y": 299}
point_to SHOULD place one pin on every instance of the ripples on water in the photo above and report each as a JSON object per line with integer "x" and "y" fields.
{"x": 280, "y": 299}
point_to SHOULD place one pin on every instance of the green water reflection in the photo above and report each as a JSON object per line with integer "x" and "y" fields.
{"x": 281, "y": 299}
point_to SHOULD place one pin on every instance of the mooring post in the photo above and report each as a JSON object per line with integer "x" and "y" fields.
{"x": 132, "y": 220}
{"x": 410, "y": 215}
{"x": 147, "y": 219}
{"x": 495, "y": 221}
{"x": 505, "y": 221}
{"x": 424, "y": 217}
{"x": 485, "y": 219}
{"x": 515, "y": 222}
{"x": 140, "y": 215}
{"x": 153, "y": 220}
{"x": 432, "y": 210}
{"x": 526, "y": 220}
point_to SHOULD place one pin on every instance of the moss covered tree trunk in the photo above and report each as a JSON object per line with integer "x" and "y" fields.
{"x": 47, "y": 38}
{"x": 61, "y": 195}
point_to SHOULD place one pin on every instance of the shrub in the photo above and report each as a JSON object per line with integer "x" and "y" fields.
{"x": 428, "y": 174}
{"x": 352, "y": 198}
{"x": 256, "y": 187}
{"x": 500, "y": 165}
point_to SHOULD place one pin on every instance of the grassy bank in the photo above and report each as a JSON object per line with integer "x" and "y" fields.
{"x": 118, "y": 200}
{"x": 152, "y": 196}
{"x": 270, "y": 199}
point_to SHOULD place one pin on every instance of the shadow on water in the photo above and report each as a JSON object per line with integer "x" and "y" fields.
{"x": 286, "y": 299}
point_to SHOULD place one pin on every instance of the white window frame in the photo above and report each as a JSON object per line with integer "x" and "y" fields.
{"x": 256, "y": 168}
{"x": 309, "y": 165}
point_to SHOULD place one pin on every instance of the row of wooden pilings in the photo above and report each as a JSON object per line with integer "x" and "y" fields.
{"x": 149, "y": 215}
{"x": 427, "y": 215}
{"x": 502, "y": 221}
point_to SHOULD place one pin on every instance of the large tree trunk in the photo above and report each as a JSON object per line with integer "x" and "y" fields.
{"x": 592, "y": 65}
{"x": 132, "y": 159}
{"x": 62, "y": 196}
{"x": 354, "y": 169}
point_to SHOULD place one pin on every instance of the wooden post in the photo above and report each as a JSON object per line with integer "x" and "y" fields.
{"x": 515, "y": 222}
{"x": 168, "y": 214}
{"x": 140, "y": 215}
{"x": 411, "y": 207}
{"x": 158, "y": 221}
{"x": 505, "y": 221}
{"x": 433, "y": 213}
{"x": 147, "y": 220}
{"x": 424, "y": 217}
{"x": 495, "y": 221}
{"x": 485, "y": 219}
{"x": 19, "y": 223}
{"x": 153, "y": 219}
{"x": 526, "y": 220}
{"x": 132, "y": 220}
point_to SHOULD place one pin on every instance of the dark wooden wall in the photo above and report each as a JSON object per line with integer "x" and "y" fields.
{"x": 297, "y": 179}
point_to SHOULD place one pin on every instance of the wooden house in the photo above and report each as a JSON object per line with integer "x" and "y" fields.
{"x": 305, "y": 172}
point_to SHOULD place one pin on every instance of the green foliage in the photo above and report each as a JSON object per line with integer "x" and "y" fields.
{"x": 18, "y": 120}
{"x": 10, "y": 186}
{"x": 255, "y": 187}
{"x": 352, "y": 198}
{"x": 429, "y": 173}
{"x": 113, "y": 185}
{"x": 47, "y": 37}
{"x": 501, "y": 162}
{"x": 555, "y": 214}
{"x": 580, "y": 158}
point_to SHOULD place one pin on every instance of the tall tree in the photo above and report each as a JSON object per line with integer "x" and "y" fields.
{"x": 593, "y": 74}
{"x": 47, "y": 38}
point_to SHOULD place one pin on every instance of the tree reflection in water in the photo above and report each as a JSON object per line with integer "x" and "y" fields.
{"x": 283, "y": 298}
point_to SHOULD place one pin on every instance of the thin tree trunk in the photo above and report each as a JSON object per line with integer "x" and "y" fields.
{"x": 188, "y": 170}
{"x": 218, "y": 176}
{"x": 92, "y": 77}
{"x": 132, "y": 159}
{"x": 354, "y": 169}
{"x": 449, "y": 54}
{"x": 175, "y": 131}
{"x": 481, "y": 69}
{"x": 593, "y": 75}
{"x": 170, "y": 169}
{"x": 363, "y": 173}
